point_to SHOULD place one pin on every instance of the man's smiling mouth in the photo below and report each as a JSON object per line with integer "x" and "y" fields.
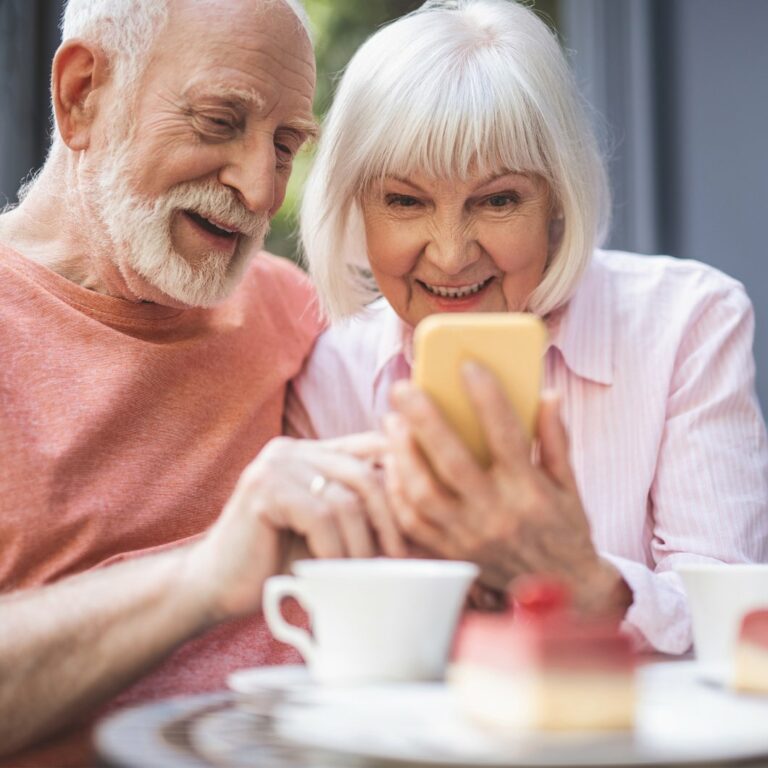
{"x": 215, "y": 228}
{"x": 457, "y": 292}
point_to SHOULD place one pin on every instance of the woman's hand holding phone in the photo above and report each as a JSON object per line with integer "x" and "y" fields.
{"x": 514, "y": 516}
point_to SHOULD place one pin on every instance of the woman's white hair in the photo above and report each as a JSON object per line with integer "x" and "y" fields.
{"x": 455, "y": 87}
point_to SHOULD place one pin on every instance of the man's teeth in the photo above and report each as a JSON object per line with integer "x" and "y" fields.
{"x": 455, "y": 293}
{"x": 217, "y": 226}
{"x": 220, "y": 226}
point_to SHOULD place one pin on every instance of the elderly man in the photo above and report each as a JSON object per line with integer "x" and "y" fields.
{"x": 145, "y": 355}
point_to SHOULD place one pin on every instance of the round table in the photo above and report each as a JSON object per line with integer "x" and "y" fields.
{"x": 202, "y": 731}
{"x": 224, "y": 730}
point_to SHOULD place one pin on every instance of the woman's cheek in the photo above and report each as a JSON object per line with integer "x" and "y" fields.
{"x": 392, "y": 251}
{"x": 514, "y": 251}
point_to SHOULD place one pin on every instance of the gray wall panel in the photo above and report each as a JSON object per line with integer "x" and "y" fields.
{"x": 720, "y": 141}
{"x": 683, "y": 85}
{"x": 28, "y": 39}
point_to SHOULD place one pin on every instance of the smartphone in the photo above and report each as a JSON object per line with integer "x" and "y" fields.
{"x": 510, "y": 344}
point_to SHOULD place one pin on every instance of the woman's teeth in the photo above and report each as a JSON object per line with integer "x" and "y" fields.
{"x": 456, "y": 293}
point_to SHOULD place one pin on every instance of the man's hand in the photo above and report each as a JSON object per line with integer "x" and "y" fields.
{"x": 89, "y": 636}
{"x": 518, "y": 516}
{"x": 345, "y": 515}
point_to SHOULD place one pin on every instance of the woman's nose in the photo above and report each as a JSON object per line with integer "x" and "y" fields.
{"x": 452, "y": 251}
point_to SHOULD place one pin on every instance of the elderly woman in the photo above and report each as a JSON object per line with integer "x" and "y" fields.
{"x": 457, "y": 172}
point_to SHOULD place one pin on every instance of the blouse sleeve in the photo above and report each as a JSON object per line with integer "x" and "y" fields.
{"x": 332, "y": 395}
{"x": 709, "y": 497}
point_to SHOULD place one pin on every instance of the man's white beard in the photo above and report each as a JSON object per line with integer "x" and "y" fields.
{"x": 140, "y": 232}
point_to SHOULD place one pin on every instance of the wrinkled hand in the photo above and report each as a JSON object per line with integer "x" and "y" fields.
{"x": 518, "y": 516}
{"x": 273, "y": 503}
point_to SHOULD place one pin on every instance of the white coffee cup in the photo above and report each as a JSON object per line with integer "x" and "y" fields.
{"x": 719, "y": 596}
{"x": 375, "y": 619}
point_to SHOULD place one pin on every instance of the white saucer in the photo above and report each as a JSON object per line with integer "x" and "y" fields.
{"x": 717, "y": 674}
{"x": 258, "y": 680}
{"x": 680, "y": 720}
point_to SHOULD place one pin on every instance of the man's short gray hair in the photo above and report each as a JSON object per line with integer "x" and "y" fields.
{"x": 455, "y": 87}
{"x": 127, "y": 30}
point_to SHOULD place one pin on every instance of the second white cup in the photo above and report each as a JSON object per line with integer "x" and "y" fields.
{"x": 373, "y": 619}
{"x": 719, "y": 595}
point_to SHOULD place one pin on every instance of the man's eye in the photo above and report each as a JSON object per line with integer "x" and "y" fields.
{"x": 217, "y": 124}
{"x": 401, "y": 201}
{"x": 284, "y": 154}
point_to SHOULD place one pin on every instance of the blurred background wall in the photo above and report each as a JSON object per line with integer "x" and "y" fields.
{"x": 680, "y": 96}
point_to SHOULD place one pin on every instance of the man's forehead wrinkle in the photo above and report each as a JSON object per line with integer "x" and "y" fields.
{"x": 222, "y": 89}
{"x": 264, "y": 51}
{"x": 259, "y": 53}
{"x": 241, "y": 37}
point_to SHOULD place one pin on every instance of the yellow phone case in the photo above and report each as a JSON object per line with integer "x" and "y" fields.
{"x": 510, "y": 344}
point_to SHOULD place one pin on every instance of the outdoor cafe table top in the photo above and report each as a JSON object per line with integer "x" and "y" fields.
{"x": 160, "y": 735}
{"x": 215, "y": 730}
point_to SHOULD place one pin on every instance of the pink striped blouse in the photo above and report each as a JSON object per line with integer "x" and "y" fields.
{"x": 653, "y": 357}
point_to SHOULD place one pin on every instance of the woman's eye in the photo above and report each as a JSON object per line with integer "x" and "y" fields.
{"x": 502, "y": 200}
{"x": 401, "y": 201}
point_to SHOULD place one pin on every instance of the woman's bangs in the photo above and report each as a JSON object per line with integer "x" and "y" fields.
{"x": 455, "y": 129}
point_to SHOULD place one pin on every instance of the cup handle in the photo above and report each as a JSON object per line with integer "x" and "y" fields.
{"x": 276, "y": 589}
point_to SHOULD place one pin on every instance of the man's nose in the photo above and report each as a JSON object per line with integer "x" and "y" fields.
{"x": 252, "y": 174}
{"x": 452, "y": 249}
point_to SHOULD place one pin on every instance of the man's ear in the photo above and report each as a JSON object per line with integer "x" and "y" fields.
{"x": 79, "y": 72}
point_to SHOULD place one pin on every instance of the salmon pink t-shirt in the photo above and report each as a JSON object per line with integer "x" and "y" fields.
{"x": 124, "y": 427}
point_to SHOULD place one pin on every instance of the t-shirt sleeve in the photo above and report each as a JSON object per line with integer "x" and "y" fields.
{"x": 302, "y": 307}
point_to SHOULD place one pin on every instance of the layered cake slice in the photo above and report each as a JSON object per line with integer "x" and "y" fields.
{"x": 541, "y": 666}
{"x": 750, "y": 668}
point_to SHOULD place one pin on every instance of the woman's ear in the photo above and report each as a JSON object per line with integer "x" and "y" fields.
{"x": 80, "y": 70}
{"x": 556, "y": 229}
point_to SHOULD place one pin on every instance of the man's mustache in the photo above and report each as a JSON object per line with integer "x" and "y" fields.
{"x": 214, "y": 201}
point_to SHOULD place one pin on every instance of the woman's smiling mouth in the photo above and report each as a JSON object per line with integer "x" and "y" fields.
{"x": 455, "y": 292}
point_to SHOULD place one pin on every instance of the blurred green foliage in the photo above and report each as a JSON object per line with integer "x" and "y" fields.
{"x": 339, "y": 28}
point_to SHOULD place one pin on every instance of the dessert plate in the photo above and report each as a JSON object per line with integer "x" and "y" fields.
{"x": 680, "y": 719}
{"x": 257, "y": 680}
